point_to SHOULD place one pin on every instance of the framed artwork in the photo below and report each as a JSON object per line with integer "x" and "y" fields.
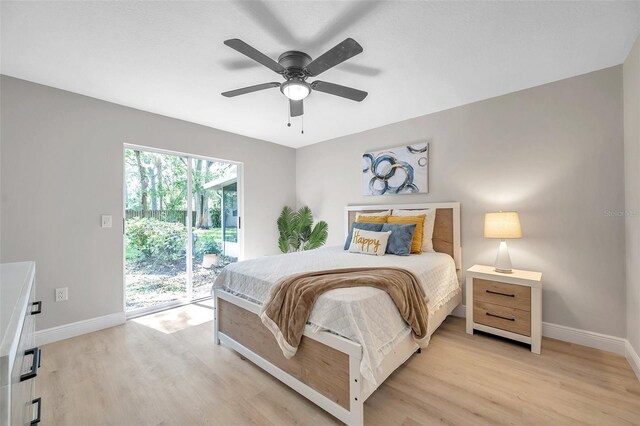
{"x": 401, "y": 170}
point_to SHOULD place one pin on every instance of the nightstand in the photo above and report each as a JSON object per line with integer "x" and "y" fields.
{"x": 507, "y": 305}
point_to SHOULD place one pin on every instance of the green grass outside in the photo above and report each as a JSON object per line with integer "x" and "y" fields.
{"x": 231, "y": 233}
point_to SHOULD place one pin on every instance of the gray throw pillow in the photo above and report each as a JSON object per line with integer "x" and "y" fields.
{"x": 365, "y": 226}
{"x": 400, "y": 240}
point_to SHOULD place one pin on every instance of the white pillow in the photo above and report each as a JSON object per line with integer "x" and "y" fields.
{"x": 382, "y": 213}
{"x": 369, "y": 242}
{"x": 427, "y": 229}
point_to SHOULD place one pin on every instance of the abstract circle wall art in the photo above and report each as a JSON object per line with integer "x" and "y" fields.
{"x": 401, "y": 170}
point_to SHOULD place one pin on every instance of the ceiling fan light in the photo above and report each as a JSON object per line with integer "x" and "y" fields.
{"x": 295, "y": 90}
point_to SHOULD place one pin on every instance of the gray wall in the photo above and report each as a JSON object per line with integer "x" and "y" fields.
{"x": 632, "y": 191}
{"x": 0, "y": 161}
{"x": 62, "y": 167}
{"x": 554, "y": 153}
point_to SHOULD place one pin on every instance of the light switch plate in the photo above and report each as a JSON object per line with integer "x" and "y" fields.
{"x": 106, "y": 220}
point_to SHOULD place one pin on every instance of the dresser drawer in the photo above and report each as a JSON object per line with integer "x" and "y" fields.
{"x": 23, "y": 392}
{"x": 503, "y": 317}
{"x": 496, "y": 293}
{"x": 18, "y": 357}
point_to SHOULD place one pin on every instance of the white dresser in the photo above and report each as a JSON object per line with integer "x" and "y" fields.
{"x": 19, "y": 358}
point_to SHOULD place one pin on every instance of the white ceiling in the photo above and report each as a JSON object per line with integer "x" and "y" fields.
{"x": 419, "y": 57}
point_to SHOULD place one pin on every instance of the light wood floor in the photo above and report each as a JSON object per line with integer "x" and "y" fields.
{"x": 164, "y": 369}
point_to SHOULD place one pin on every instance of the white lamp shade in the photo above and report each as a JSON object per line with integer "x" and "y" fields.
{"x": 502, "y": 225}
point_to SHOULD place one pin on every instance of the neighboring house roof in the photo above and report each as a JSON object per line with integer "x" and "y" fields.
{"x": 222, "y": 182}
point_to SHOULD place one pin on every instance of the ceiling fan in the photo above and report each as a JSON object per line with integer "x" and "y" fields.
{"x": 296, "y": 67}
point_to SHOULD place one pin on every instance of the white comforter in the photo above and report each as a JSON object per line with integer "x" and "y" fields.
{"x": 362, "y": 314}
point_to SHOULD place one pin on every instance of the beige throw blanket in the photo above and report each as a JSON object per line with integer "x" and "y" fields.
{"x": 286, "y": 312}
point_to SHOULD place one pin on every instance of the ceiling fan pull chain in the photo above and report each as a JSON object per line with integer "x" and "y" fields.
{"x": 302, "y": 125}
{"x": 288, "y": 115}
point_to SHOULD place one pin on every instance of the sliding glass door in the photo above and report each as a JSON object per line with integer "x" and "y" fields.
{"x": 215, "y": 225}
{"x": 181, "y": 226}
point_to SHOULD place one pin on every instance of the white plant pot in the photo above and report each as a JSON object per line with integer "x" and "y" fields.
{"x": 209, "y": 260}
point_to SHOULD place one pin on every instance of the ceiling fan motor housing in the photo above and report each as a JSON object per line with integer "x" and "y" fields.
{"x": 294, "y": 62}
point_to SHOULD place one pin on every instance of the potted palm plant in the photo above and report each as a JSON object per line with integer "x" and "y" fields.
{"x": 297, "y": 231}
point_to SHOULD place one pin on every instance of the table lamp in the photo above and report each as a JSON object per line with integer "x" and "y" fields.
{"x": 502, "y": 225}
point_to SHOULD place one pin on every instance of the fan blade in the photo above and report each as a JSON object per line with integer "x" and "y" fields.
{"x": 347, "y": 17}
{"x": 245, "y": 90}
{"x": 337, "y": 90}
{"x": 263, "y": 15}
{"x": 334, "y": 56}
{"x": 296, "y": 108}
{"x": 359, "y": 69}
{"x": 254, "y": 54}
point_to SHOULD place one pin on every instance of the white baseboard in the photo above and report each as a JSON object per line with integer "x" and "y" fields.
{"x": 591, "y": 339}
{"x": 74, "y": 329}
{"x": 633, "y": 358}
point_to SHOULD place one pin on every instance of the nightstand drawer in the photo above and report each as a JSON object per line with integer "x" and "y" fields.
{"x": 496, "y": 293}
{"x": 502, "y": 317}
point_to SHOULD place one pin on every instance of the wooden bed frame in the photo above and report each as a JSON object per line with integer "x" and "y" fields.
{"x": 326, "y": 368}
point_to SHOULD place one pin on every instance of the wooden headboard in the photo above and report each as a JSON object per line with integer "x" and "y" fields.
{"x": 446, "y": 231}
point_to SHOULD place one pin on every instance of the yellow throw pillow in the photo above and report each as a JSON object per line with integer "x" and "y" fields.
{"x": 416, "y": 243}
{"x": 372, "y": 219}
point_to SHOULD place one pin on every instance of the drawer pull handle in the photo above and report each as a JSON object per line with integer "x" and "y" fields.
{"x": 39, "y": 414}
{"x": 34, "y": 367}
{"x": 501, "y": 317}
{"x": 39, "y": 309}
{"x": 500, "y": 294}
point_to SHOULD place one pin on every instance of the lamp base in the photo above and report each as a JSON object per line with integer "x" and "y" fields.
{"x": 503, "y": 261}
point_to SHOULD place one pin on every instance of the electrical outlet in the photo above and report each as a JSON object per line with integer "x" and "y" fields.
{"x": 62, "y": 294}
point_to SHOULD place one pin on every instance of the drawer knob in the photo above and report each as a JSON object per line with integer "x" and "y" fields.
{"x": 38, "y": 309}
{"x": 39, "y": 413}
{"x": 500, "y": 294}
{"x": 500, "y": 316}
{"x": 34, "y": 367}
